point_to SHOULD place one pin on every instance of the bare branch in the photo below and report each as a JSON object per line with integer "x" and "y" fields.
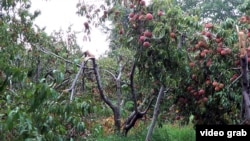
{"x": 118, "y": 85}
{"x": 156, "y": 113}
{"x": 63, "y": 83}
{"x": 72, "y": 88}
{"x": 120, "y": 71}
{"x": 113, "y": 76}
{"x": 132, "y": 87}
{"x": 146, "y": 110}
{"x": 57, "y": 56}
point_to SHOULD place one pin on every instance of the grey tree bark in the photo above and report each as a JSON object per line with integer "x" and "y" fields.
{"x": 155, "y": 115}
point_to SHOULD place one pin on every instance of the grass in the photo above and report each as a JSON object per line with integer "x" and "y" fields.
{"x": 168, "y": 132}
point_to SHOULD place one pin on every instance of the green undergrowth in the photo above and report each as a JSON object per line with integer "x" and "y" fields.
{"x": 167, "y": 132}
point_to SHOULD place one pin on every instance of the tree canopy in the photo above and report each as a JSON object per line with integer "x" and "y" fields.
{"x": 212, "y": 10}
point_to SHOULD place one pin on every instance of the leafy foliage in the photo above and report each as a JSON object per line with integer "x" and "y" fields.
{"x": 215, "y": 10}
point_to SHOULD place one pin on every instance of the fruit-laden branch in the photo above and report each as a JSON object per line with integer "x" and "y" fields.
{"x": 156, "y": 113}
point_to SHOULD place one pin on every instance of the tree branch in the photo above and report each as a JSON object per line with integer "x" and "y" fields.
{"x": 156, "y": 113}
{"x": 245, "y": 89}
{"x": 132, "y": 87}
{"x": 113, "y": 76}
{"x": 99, "y": 85}
{"x": 72, "y": 88}
{"x": 57, "y": 56}
{"x": 135, "y": 115}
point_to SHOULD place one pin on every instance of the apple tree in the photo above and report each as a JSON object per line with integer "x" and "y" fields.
{"x": 198, "y": 61}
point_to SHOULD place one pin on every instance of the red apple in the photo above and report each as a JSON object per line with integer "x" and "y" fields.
{"x": 191, "y": 64}
{"x": 206, "y": 51}
{"x": 209, "y": 63}
{"x": 201, "y": 92}
{"x": 196, "y": 46}
{"x": 219, "y": 49}
{"x": 131, "y": 20}
{"x": 217, "y": 88}
{"x": 131, "y": 6}
{"x": 205, "y": 99}
{"x": 189, "y": 88}
{"x": 160, "y": 13}
{"x": 202, "y": 54}
{"x": 223, "y": 52}
{"x": 142, "y": 39}
{"x": 131, "y": 15}
{"x": 215, "y": 83}
{"x": 172, "y": 35}
{"x": 142, "y": 3}
{"x": 202, "y": 44}
{"x": 208, "y": 25}
{"x": 136, "y": 17}
{"x": 209, "y": 35}
{"x": 192, "y": 91}
{"x": 149, "y": 17}
{"x": 148, "y": 34}
{"x": 146, "y": 44}
{"x": 218, "y": 40}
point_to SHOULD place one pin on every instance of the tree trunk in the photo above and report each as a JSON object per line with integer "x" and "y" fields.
{"x": 245, "y": 91}
{"x": 115, "y": 108}
{"x": 117, "y": 111}
{"x": 155, "y": 115}
{"x": 117, "y": 120}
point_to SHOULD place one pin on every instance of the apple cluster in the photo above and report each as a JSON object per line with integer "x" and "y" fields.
{"x": 205, "y": 56}
{"x": 138, "y": 17}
